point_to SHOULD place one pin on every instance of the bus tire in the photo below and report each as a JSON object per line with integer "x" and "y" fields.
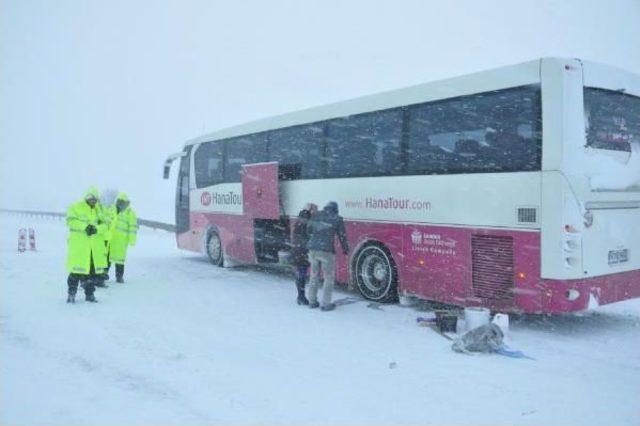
{"x": 214, "y": 248}
{"x": 376, "y": 274}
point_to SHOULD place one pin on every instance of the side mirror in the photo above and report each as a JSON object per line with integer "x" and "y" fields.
{"x": 168, "y": 161}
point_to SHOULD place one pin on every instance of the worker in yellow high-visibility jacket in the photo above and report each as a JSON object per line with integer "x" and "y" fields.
{"x": 122, "y": 233}
{"x": 86, "y": 257}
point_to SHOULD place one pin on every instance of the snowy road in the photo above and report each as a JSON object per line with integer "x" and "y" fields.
{"x": 184, "y": 342}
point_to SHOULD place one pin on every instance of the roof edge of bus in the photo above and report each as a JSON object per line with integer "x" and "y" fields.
{"x": 485, "y": 80}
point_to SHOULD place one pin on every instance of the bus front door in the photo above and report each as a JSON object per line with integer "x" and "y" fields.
{"x": 182, "y": 192}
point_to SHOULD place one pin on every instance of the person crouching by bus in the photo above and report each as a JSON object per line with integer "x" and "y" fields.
{"x": 323, "y": 227}
{"x": 86, "y": 257}
{"x": 299, "y": 251}
{"x": 123, "y": 233}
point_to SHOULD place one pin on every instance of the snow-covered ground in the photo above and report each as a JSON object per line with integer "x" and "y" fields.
{"x": 185, "y": 342}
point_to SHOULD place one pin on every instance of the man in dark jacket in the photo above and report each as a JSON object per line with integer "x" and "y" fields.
{"x": 323, "y": 227}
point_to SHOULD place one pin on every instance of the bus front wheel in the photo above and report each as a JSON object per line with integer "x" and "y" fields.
{"x": 214, "y": 248}
{"x": 376, "y": 274}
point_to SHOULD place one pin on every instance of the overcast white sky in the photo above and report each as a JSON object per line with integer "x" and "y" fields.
{"x": 99, "y": 92}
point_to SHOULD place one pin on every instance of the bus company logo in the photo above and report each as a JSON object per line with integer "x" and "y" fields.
{"x": 434, "y": 244}
{"x": 205, "y": 198}
{"x": 226, "y": 198}
{"x": 220, "y": 199}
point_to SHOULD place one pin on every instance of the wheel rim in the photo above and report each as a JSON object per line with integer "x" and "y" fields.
{"x": 214, "y": 247}
{"x": 374, "y": 272}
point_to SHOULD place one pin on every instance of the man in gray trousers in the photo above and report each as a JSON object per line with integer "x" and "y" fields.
{"x": 322, "y": 229}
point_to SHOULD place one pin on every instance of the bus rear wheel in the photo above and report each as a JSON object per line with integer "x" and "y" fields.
{"x": 376, "y": 274}
{"x": 214, "y": 248}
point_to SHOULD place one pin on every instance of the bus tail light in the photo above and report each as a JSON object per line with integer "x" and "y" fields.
{"x": 571, "y": 246}
{"x": 521, "y": 276}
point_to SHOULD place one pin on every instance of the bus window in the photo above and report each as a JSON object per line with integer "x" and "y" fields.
{"x": 365, "y": 144}
{"x": 298, "y": 150}
{"x": 243, "y": 150}
{"x": 490, "y": 132}
{"x": 208, "y": 164}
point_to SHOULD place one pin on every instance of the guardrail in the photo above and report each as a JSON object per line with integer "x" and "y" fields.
{"x": 157, "y": 225}
{"x": 142, "y": 222}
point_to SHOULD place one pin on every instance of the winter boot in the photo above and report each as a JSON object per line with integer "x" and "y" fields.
{"x": 71, "y": 298}
{"x": 91, "y": 298}
{"x": 328, "y": 307}
{"x": 300, "y": 283}
{"x": 313, "y": 305}
{"x": 119, "y": 273}
{"x": 302, "y": 300}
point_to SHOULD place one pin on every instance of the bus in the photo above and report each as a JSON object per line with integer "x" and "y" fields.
{"x": 516, "y": 189}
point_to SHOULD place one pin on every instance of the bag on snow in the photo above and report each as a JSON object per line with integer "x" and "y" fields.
{"x": 486, "y": 338}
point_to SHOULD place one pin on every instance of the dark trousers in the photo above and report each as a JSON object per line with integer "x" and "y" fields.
{"x": 119, "y": 270}
{"x": 87, "y": 281}
{"x": 302, "y": 275}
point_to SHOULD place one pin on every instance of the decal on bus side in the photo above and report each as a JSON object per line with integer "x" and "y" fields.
{"x": 433, "y": 243}
{"x": 222, "y": 198}
{"x": 217, "y": 198}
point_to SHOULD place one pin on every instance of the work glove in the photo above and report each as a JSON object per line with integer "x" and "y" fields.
{"x": 91, "y": 230}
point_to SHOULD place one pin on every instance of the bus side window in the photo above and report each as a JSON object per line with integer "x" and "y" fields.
{"x": 366, "y": 144}
{"x": 248, "y": 149}
{"x": 477, "y": 133}
{"x": 386, "y": 130}
{"x": 298, "y": 151}
{"x": 208, "y": 164}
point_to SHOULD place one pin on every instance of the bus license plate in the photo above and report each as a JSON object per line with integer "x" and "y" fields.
{"x": 618, "y": 256}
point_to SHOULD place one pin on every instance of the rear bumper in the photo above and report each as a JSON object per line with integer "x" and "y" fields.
{"x": 556, "y": 295}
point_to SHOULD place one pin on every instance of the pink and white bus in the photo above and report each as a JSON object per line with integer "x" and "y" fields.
{"x": 517, "y": 188}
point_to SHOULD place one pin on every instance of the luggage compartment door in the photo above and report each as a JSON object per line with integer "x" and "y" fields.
{"x": 260, "y": 198}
